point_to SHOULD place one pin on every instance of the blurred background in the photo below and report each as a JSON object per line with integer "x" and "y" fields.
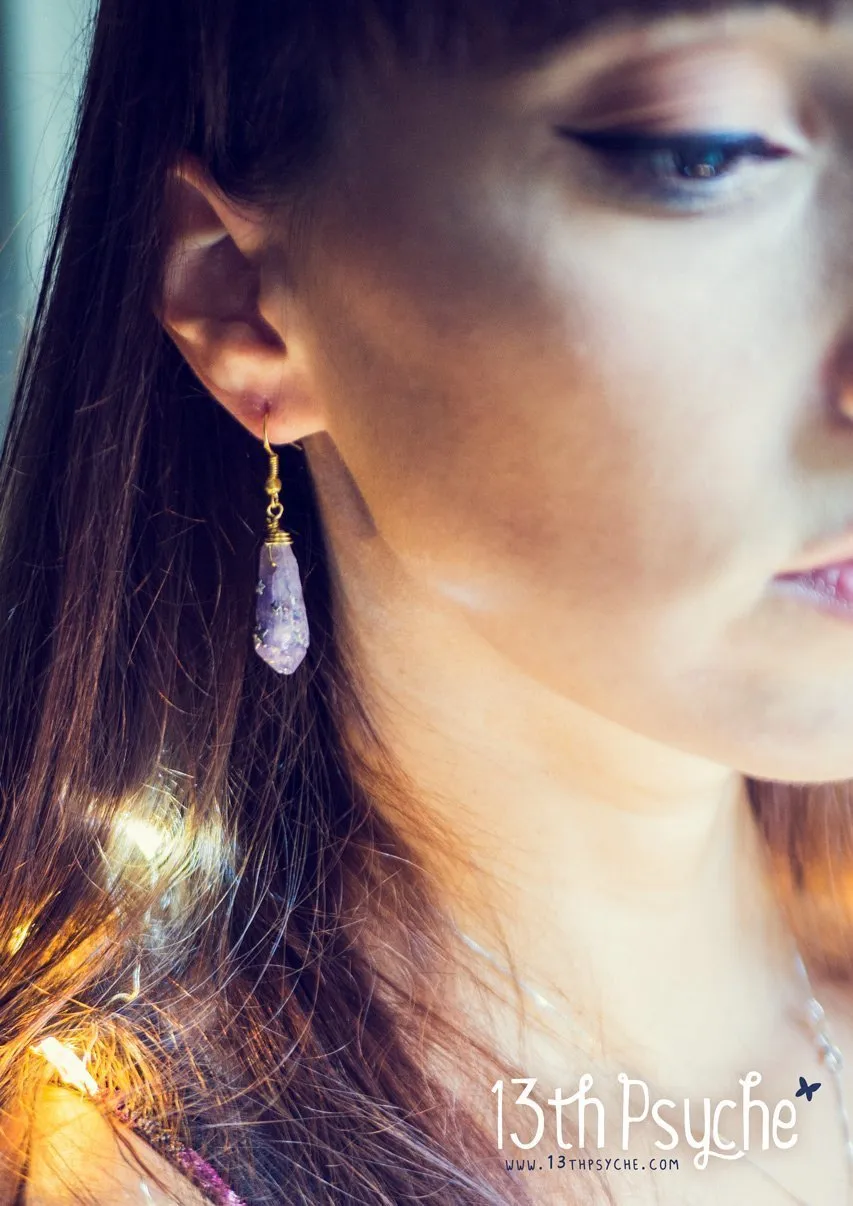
{"x": 43, "y": 47}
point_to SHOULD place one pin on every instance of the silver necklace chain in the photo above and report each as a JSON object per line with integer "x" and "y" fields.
{"x": 828, "y": 1053}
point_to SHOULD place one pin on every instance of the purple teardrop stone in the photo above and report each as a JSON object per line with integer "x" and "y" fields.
{"x": 281, "y": 632}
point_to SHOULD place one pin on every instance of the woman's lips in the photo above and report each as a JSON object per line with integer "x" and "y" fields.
{"x": 836, "y": 580}
{"x": 824, "y": 576}
{"x": 828, "y": 552}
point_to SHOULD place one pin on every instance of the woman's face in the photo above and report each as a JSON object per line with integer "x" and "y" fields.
{"x": 594, "y": 399}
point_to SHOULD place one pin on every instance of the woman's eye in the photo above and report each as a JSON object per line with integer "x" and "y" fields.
{"x": 676, "y": 168}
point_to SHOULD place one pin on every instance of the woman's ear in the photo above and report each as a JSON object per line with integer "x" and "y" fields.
{"x": 214, "y": 310}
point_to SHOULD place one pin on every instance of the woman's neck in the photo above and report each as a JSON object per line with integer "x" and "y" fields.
{"x": 627, "y": 875}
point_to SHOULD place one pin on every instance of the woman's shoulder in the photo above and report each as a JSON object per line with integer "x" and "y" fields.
{"x": 76, "y": 1157}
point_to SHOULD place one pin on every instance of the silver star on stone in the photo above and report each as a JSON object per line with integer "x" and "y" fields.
{"x": 261, "y": 587}
{"x": 279, "y": 608}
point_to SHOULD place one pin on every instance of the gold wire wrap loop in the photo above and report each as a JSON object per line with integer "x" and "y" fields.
{"x": 275, "y": 534}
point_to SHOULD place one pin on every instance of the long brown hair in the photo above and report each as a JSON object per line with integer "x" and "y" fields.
{"x": 258, "y": 1030}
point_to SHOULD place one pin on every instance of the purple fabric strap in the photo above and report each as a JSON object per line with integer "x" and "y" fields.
{"x": 189, "y": 1162}
{"x": 207, "y": 1179}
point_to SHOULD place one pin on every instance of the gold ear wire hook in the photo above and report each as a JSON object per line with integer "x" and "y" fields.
{"x": 275, "y": 534}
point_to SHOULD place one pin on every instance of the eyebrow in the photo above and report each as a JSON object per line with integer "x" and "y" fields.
{"x": 579, "y": 19}
{"x": 586, "y": 15}
{"x": 547, "y": 27}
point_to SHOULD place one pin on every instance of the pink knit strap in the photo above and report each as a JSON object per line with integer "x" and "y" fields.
{"x": 207, "y": 1179}
{"x": 189, "y": 1162}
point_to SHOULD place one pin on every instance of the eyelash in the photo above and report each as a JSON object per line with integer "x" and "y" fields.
{"x": 642, "y": 161}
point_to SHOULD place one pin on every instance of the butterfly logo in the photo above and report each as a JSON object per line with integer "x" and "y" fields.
{"x": 806, "y": 1090}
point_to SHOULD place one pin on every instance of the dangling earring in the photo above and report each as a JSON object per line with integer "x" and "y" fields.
{"x": 281, "y": 629}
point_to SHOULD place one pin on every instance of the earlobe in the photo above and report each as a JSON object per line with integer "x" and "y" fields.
{"x": 210, "y": 308}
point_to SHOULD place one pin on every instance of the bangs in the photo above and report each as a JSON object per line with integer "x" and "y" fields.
{"x": 506, "y": 33}
{"x": 271, "y": 79}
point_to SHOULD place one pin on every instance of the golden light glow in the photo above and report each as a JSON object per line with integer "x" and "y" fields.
{"x": 19, "y": 937}
{"x": 69, "y": 1065}
{"x": 147, "y": 836}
